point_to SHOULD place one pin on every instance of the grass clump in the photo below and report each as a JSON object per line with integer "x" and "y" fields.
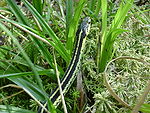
{"x": 31, "y": 34}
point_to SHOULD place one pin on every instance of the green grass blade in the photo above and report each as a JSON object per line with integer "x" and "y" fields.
{"x": 12, "y": 109}
{"x": 29, "y": 86}
{"x": 58, "y": 45}
{"x": 20, "y": 16}
{"x": 92, "y": 5}
{"x": 73, "y": 26}
{"x": 107, "y": 51}
{"x": 104, "y": 32}
{"x": 38, "y": 5}
{"x": 145, "y": 108}
{"x": 36, "y": 93}
{"x": 104, "y": 19}
{"x": 7, "y": 67}
{"x": 121, "y": 14}
{"x": 69, "y": 14}
{"x": 109, "y": 37}
{"x": 15, "y": 9}
{"x": 61, "y": 9}
{"x": 42, "y": 72}
{"x": 36, "y": 76}
{"x": 22, "y": 19}
{"x": 98, "y": 6}
{"x": 41, "y": 46}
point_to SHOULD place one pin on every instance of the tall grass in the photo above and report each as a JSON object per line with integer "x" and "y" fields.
{"x": 38, "y": 5}
{"x": 33, "y": 86}
{"x": 109, "y": 36}
{"x": 26, "y": 61}
{"x": 73, "y": 25}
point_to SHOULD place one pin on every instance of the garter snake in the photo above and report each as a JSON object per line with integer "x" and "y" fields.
{"x": 70, "y": 75}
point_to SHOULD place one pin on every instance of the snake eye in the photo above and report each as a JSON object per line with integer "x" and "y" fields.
{"x": 89, "y": 20}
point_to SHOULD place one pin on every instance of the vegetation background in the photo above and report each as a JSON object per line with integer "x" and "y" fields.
{"x": 115, "y": 60}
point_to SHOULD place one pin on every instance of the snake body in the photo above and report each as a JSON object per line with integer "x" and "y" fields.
{"x": 70, "y": 75}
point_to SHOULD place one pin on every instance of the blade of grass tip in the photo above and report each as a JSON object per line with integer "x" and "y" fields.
{"x": 121, "y": 14}
{"x": 37, "y": 78}
{"x": 59, "y": 84}
{"x": 60, "y": 47}
{"x": 73, "y": 26}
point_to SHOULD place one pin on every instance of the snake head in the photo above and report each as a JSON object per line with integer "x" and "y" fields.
{"x": 85, "y": 25}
